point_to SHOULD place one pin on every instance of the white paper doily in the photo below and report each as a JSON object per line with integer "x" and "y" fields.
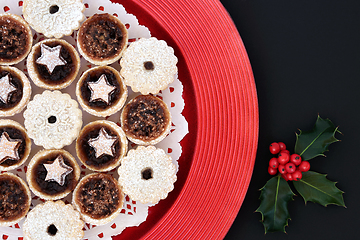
{"x": 133, "y": 213}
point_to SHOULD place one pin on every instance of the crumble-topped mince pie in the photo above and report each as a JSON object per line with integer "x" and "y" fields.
{"x": 101, "y": 145}
{"x": 15, "y": 199}
{"x": 99, "y": 198}
{"x": 146, "y": 120}
{"x": 15, "y": 145}
{"x": 53, "y": 64}
{"x": 101, "y": 91}
{"x": 102, "y": 39}
{"x": 52, "y": 174}
{"x": 15, "y": 39}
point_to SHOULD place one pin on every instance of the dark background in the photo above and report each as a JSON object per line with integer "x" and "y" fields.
{"x": 305, "y": 57}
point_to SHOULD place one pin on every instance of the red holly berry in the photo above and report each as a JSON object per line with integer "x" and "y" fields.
{"x": 274, "y": 163}
{"x": 283, "y": 157}
{"x": 297, "y": 175}
{"x": 282, "y": 146}
{"x": 284, "y": 176}
{"x": 282, "y": 169}
{"x": 274, "y": 148}
{"x": 295, "y": 158}
{"x": 304, "y": 166}
{"x": 290, "y": 167}
{"x": 289, "y": 176}
{"x": 272, "y": 171}
{"x": 285, "y": 151}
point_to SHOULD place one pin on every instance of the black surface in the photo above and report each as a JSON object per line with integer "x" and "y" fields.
{"x": 305, "y": 57}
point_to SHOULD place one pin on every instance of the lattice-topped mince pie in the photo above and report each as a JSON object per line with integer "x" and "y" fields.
{"x": 52, "y": 174}
{"x": 53, "y": 220}
{"x": 53, "y": 64}
{"x": 148, "y": 65}
{"x": 15, "y": 39}
{"x": 53, "y": 119}
{"x": 147, "y": 174}
{"x": 54, "y": 18}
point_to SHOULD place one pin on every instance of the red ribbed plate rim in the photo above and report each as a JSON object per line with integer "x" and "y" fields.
{"x": 226, "y": 110}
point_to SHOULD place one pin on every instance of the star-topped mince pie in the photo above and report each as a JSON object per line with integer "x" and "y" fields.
{"x": 15, "y": 145}
{"x": 53, "y": 64}
{"x": 101, "y": 145}
{"x": 15, "y": 91}
{"x": 6, "y": 88}
{"x": 52, "y": 174}
{"x": 57, "y": 170}
{"x": 50, "y": 57}
{"x": 101, "y": 91}
{"x": 8, "y": 148}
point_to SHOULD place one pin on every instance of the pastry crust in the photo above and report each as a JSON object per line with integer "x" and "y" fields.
{"x": 54, "y": 18}
{"x": 26, "y": 145}
{"x": 119, "y": 151}
{"x": 53, "y": 220}
{"x": 53, "y": 119}
{"x": 32, "y": 174}
{"x": 148, "y": 65}
{"x": 106, "y": 109}
{"x": 7, "y": 201}
{"x": 64, "y": 81}
{"x": 90, "y": 51}
{"x": 92, "y": 185}
{"x": 147, "y": 174}
{"x": 26, "y": 91}
{"x": 26, "y": 36}
{"x": 146, "y": 120}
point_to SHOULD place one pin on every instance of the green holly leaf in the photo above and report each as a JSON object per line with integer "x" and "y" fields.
{"x": 274, "y": 197}
{"x": 315, "y": 187}
{"x": 313, "y": 143}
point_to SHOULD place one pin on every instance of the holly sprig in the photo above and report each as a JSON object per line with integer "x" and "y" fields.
{"x": 312, "y": 186}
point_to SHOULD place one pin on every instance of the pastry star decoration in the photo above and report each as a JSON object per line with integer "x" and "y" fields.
{"x": 101, "y": 89}
{"x": 8, "y": 148}
{"x": 50, "y": 57}
{"x": 6, "y": 88}
{"x": 57, "y": 170}
{"x": 103, "y": 144}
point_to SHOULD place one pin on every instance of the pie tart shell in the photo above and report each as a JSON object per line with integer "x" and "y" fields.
{"x": 25, "y": 95}
{"x": 39, "y": 156}
{"x": 12, "y": 123}
{"x": 31, "y": 65}
{"x": 87, "y": 217}
{"x": 122, "y": 139}
{"x": 28, "y": 203}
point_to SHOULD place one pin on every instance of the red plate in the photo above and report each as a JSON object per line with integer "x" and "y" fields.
{"x": 222, "y": 112}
